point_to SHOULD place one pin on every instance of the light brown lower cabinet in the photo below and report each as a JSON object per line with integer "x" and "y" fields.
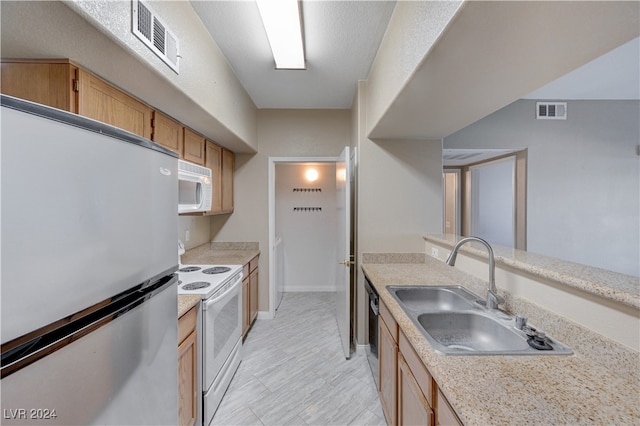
{"x": 413, "y": 407}
{"x": 408, "y": 393}
{"x": 187, "y": 368}
{"x": 253, "y": 295}
{"x": 249, "y": 294}
{"x": 446, "y": 415}
{"x": 388, "y": 361}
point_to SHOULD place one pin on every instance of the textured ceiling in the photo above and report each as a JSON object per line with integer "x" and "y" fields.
{"x": 341, "y": 41}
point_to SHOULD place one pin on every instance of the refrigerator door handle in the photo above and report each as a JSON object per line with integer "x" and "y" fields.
{"x": 25, "y": 350}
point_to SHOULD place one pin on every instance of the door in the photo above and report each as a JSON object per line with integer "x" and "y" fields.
{"x": 451, "y": 202}
{"x": 343, "y": 267}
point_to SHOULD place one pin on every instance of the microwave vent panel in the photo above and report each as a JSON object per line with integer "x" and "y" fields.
{"x": 185, "y": 166}
{"x": 551, "y": 110}
{"x": 153, "y": 32}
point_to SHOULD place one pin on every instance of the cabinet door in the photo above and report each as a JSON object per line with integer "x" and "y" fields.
{"x": 228, "y": 164}
{"x": 103, "y": 102}
{"x": 167, "y": 132}
{"x": 387, "y": 382}
{"x": 253, "y": 296}
{"x": 445, "y": 414}
{"x": 193, "y": 147}
{"x": 50, "y": 84}
{"x": 213, "y": 160}
{"x": 413, "y": 407}
{"x": 187, "y": 381}
{"x": 245, "y": 307}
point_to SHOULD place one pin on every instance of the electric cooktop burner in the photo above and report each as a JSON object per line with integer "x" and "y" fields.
{"x": 216, "y": 270}
{"x": 189, "y": 269}
{"x": 196, "y": 285}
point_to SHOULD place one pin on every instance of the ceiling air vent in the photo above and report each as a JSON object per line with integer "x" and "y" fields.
{"x": 551, "y": 110}
{"x": 153, "y": 32}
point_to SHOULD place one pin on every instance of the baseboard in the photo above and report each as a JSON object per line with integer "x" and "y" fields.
{"x": 361, "y": 349}
{"x": 264, "y": 315}
{"x": 308, "y": 289}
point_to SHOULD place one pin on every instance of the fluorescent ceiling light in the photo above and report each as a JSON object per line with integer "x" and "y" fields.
{"x": 281, "y": 20}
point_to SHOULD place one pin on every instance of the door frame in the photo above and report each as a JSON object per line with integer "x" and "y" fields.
{"x": 521, "y": 157}
{"x": 272, "y": 218}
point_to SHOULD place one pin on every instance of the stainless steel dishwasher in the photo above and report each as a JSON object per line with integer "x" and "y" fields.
{"x": 374, "y": 311}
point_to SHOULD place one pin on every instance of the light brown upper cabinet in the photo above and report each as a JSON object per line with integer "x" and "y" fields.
{"x": 193, "y": 147}
{"x": 63, "y": 85}
{"x": 213, "y": 160}
{"x": 103, "y": 102}
{"x": 167, "y": 132}
{"x": 221, "y": 162}
{"x": 49, "y": 83}
{"x": 228, "y": 164}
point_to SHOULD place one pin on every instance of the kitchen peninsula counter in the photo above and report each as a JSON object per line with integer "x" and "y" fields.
{"x": 598, "y": 384}
{"x": 611, "y": 285}
{"x": 221, "y": 253}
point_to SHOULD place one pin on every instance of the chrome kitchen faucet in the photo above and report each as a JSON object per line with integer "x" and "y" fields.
{"x": 493, "y": 298}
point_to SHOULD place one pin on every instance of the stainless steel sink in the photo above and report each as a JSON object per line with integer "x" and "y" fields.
{"x": 454, "y": 323}
{"x": 470, "y": 331}
{"x": 436, "y": 298}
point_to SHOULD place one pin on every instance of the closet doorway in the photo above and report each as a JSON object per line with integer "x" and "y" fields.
{"x": 302, "y": 226}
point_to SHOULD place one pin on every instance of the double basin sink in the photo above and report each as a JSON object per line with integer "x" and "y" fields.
{"x": 455, "y": 322}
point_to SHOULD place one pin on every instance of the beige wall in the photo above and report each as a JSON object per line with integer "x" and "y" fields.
{"x": 399, "y": 198}
{"x": 281, "y": 133}
{"x": 406, "y": 43}
{"x": 199, "y": 228}
{"x": 206, "y": 95}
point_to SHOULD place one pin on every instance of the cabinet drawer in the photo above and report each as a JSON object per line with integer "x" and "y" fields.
{"x": 186, "y": 324}
{"x": 245, "y": 271}
{"x": 253, "y": 264}
{"x": 420, "y": 372}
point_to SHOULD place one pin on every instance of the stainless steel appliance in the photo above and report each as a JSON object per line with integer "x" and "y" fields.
{"x": 220, "y": 287}
{"x": 374, "y": 312}
{"x": 89, "y": 300}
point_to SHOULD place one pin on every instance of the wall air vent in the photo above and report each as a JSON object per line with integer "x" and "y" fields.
{"x": 551, "y": 110}
{"x": 153, "y": 32}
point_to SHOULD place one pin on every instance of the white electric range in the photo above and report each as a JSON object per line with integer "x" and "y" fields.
{"x": 220, "y": 287}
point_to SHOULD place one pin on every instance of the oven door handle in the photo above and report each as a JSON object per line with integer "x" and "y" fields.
{"x": 230, "y": 289}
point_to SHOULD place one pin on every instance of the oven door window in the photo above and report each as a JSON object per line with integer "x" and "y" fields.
{"x": 223, "y": 329}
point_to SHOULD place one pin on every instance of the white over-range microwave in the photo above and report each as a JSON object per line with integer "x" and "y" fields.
{"x": 194, "y": 188}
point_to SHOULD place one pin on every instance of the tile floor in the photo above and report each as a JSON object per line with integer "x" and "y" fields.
{"x": 293, "y": 372}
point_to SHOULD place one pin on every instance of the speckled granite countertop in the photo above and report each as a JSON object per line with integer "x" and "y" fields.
{"x": 598, "y": 384}
{"x": 186, "y": 302}
{"x": 217, "y": 253}
{"x": 611, "y": 285}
